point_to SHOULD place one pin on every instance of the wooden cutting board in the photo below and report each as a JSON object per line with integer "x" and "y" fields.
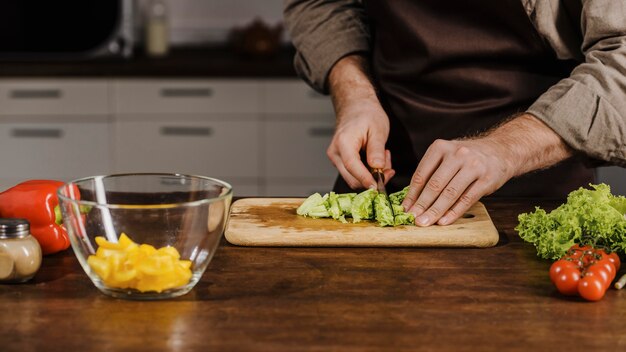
{"x": 274, "y": 222}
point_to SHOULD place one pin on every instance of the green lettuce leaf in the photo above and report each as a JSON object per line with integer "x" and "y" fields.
{"x": 396, "y": 198}
{"x": 334, "y": 209}
{"x": 590, "y": 216}
{"x": 345, "y": 202}
{"x": 362, "y": 205}
{"x": 382, "y": 210}
{"x": 314, "y": 206}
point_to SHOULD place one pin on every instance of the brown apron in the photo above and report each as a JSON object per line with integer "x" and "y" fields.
{"x": 454, "y": 68}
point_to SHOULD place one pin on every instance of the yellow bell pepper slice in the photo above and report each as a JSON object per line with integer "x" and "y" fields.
{"x": 126, "y": 264}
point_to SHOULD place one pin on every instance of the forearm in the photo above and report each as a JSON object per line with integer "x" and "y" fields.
{"x": 527, "y": 144}
{"x": 350, "y": 84}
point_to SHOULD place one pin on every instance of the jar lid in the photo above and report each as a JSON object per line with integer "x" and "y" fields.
{"x": 14, "y": 228}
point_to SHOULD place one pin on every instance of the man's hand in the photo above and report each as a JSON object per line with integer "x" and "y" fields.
{"x": 362, "y": 124}
{"x": 453, "y": 175}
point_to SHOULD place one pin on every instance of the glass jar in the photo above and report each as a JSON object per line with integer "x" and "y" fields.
{"x": 20, "y": 253}
{"x": 157, "y": 32}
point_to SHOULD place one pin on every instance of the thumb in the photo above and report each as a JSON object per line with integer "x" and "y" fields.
{"x": 375, "y": 150}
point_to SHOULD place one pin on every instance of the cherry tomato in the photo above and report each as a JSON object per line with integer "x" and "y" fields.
{"x": 600, "y": 272}
{"x": 606, "y": 263}
{"x": 578, "y": 247}
{"x": 591, "y": 288}
{"x": 614, "y": 258}
{"x": 559, "y": 265}
{"x": 574, "y": 253}
{"x": 567, "y": 281}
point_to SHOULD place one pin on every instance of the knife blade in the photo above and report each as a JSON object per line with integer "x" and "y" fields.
{"x": 379, "y": 176}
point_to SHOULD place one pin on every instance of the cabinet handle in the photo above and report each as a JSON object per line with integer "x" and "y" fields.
{"x": 186, "y": 131}
{"x": 321, "y": 131}
{"x": 37, "y": 133}
{"x": 186, "y": 92}
{"x": 36, "y": 94}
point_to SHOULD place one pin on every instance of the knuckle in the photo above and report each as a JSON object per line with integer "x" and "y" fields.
{"x": 466, "y": 200}
{"x": 440, "y": 143}
{"x": 463, "y": 152}
{"x": 418, "y": 178}
{"x": 435, "y": 184}
{"x": 434, "y": 211}
{"x": 419, "y": 206}
{"x": 450, "y": 193}
{"x": 453, "y": 213}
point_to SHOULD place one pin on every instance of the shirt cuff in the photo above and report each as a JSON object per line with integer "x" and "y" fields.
{"x": 585, "y": 120}
{"x": 321, "y": 58}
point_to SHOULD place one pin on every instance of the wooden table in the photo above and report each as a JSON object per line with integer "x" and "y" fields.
{"x": 324, "y": 299}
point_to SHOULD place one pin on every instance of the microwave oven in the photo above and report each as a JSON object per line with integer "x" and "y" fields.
{"x": 65, "y": 29}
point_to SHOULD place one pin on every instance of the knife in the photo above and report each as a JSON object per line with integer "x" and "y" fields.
{"x": 379, "y": 176}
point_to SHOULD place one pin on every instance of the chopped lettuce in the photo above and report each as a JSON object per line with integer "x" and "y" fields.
{"x": 362, "y": 205}
{"x": 314, "y": 206}
{"x": 334, "y": 208}
{"x": 345, "y": 202}
{"x": 593, "y": 217}
{"x": 366, "y": 205}
{"x": 401, "y": 217}
{"x": 397, "y": 197}
{"x": 383, "y": 211}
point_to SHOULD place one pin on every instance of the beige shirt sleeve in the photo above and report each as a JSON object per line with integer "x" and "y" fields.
{"x": 323, "y": 32}
{"x": 588, "y": 109}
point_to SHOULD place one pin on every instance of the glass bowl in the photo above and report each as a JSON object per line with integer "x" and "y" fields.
{"x": 188, "y": 213}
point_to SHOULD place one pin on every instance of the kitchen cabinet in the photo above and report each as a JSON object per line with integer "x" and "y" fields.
{"x": 53, "y": 129}
{"x": 162, "y": 96}
{"x": 298, "y": 127}
{"x": 265, "y": 137}
{"x": 224, "y": 148}
{"x": 39, "y": 97}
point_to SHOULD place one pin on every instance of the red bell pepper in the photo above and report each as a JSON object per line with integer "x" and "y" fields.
{"x": 37, "y": 201}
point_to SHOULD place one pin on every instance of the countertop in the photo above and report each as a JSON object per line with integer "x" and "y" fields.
{"x": 217, "y": 61}
{"x": 326, "y": 299}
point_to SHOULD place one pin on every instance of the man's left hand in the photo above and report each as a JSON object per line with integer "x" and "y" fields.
{"x": 453, "y": 175}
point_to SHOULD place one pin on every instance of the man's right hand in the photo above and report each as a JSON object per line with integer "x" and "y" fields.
{"x": 362, "y": 124}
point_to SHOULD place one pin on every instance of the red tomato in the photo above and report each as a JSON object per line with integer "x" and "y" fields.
{"x": 614, "y": 258}
{"x": 591, "y": 288}
{"x": 567, "y": 281}
{"x": 606, "y": 263}
{"x": 600, "y": 272}
{"x": 559, "y": 265}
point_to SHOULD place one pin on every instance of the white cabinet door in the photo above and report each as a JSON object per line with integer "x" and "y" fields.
{"x": 293, "y": 96}
{"x": 54, "y": 97}
{"x": 186, "y": 96}
{"x": 222, "y": 148}
{"x": 297, "y": 148}
{"x": 40, "y": 149}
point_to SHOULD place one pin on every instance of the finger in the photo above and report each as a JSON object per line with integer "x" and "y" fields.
{"x": 355, "y": 167}
{"x": 389, "y": 172}
{"x": 425, "y": 169}
{"x": 439, "y": 180}
{"x": 348, "y": 152}
{"x": 447, "y": 198}
{"x": 375, "y": 150}
{"x": 471, "y": 195}
{"x": 350, "y": 180}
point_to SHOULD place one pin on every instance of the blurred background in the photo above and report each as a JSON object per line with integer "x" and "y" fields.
{"x": 188, "y": 86}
